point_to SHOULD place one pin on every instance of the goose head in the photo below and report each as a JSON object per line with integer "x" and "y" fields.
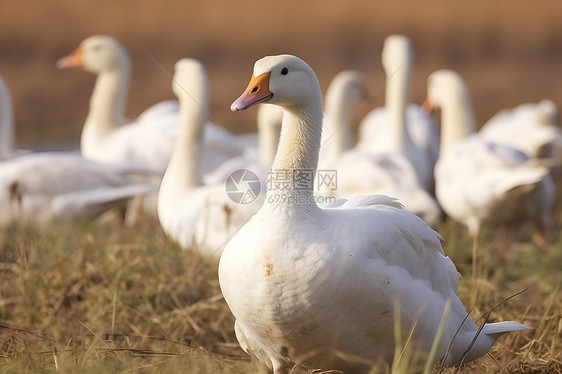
{"x": 190, "y": 82}
{"x": 444, "y": 88}
{"x": 97, "y": 54}
{"x": 447, "y": 91}
{"x": 284, "y": 80}
{"x": 346, "y": 89}
{"x": 397, "y": 54}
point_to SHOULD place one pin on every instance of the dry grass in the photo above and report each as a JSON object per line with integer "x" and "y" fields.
{"x": 107, "y": 298}
{"x": 97, "y": 297}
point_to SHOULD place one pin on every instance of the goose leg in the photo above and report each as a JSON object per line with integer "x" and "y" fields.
{"x": 474, "y": 290}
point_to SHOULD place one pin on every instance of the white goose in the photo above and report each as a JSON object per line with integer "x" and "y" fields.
{"x": 7, "y": 133}
{"x": 199, "y": 217}
{"x": 7, "y": 136}
{"x": 478, "y": 181}
{"x": 530, "y": 127}
{"x": 346, "y": 89}
{"x": 400, "y": 126}
{"x": 43, "y": 187}
{"x": 308, "y": 284}
{"x": 361, "y": 172}
{"x": 148, "y": 142}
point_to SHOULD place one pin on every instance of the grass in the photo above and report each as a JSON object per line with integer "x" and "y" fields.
{"x": 98, "y": 297}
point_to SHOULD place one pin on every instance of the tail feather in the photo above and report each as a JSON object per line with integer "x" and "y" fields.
{"x": 503, "y": 327}
{"x": 488, "y": 336}
{"x": 521, "y": 182}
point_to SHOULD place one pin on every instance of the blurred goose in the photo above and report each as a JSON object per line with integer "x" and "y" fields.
{"x": 147, "y": 142}
{"x": 400, "y": 126}
{"x": 7, "y": 133}
{"x": 362, "y": 172}
{"x": 530, "y": 127}
{"x": 199, "y": 217}
{"x": 43, "y": 187}
{"x": 7, "y": 136}
{"x": 479, "y": 181}
{"x": 346, "y": 89}
{"x": 312, "y": 285}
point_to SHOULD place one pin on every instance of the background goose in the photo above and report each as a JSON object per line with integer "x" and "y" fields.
{"x": 290, "y": 275}
{"x": 199, "y": 217}
{"x": 478, "y": 181}
{"x": 7, "y": 136}
{"x": 7, "y": 132}
{"x": 346, "y": 89}
{"x": 362, "y": 172}
{"x": 51, "y": 186}
{"x": 531, "y": 127}
{"x": 148, "y": 142}
{"x": 399, "y": 125}
{"x": 42, "y": 187}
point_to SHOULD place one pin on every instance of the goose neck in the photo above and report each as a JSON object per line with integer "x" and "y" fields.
{"x": 291, "y": 180}
{"x": 7, "y": 136}
{"x": 107, "y": 104}
{"x": 184, "y": 165}
{"x": 397, "y": 98}
{"x": 457, "y": 120}
{"x": 336, "y": 135}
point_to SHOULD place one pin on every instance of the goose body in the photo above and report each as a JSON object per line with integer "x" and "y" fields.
{"x": 198, "y": 216}
{"x": 310, "y": 284}
{"x": 478, "y": 181}
{"x": 387, "y": 173}
{"x": 147, "y": 142}
{"x": 530, "y": 127}
{"x": 43, "y": 187}
{"x": 401, "y": 126}
{"x": 420, "y": 125}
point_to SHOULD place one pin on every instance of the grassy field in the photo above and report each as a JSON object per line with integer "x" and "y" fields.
{"x": 98, "y": 297}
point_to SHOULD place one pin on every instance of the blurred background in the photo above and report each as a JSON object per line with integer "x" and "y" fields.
{"x": 508, "y": 51}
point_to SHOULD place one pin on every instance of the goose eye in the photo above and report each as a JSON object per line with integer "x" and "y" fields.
{"x": 284, "y": 71}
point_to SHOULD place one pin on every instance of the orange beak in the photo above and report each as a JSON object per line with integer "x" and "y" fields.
{"x": 256, "y": 92}
{"x": 427, "y": 106}
{"x": 73, "y": 60}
